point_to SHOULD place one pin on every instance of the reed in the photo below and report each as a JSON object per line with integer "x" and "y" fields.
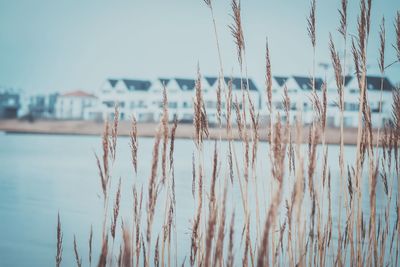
{"x": 59, "y": 242}
{"x": 298, "y": 219}
{"x": 77, "y": 258}
{"x": 134, "y": 143}
{"x": 90, "y": 245}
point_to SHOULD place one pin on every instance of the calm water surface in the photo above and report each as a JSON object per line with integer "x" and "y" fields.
{"x": 41, "y": 175}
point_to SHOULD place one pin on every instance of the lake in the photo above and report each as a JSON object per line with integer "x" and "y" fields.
{"x": 41, "y": 175}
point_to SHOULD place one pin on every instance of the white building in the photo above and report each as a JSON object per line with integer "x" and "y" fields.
{"x": 72, "y": 105}
{"x": 143, "y": 98}
{"x": 351, "y": 101}
{"x": 132, "y": 96}
{"x": 300, "y": 94}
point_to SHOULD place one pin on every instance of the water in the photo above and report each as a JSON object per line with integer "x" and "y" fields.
{"x": 41, "y": 175}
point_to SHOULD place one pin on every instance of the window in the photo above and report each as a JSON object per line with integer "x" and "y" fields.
{"x": 347, "y": 122}
{"x": 351, "y": 106}
{"x": 278, "y": 105}
{"x": 376, "y": 107}
{"x": 211, "y": 104}
{"x": 109, "y": 104}
{"x": 132, "y": 104}
{"x": 173, "y": 105}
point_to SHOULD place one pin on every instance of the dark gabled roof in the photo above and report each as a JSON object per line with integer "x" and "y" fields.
{"x": 281, "y": 80}
{"x": 164, "y": 81}
{"x": 139, "y": 85}
{"x": 374, "y": 83}
{"x": 347, "y": 79}
{"x": 305, "y": 83}
{"x": 186, "y": 84}
{"x": 112, "y": 82}
{"x": 236, "y": 83}
{"x": 211, "y": 80}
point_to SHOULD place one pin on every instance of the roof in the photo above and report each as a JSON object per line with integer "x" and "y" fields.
{"x": 236, "y": 83}
{"x": 347, "y": 79}
{"x": 78, "y": 93}
{"x": 137, "y": 85}
{"x": 281, "y": 80}
{"x": 305, "y": 83}
{"x": 112, "y": 82}
{"x": 375, "y": 82}
{"x": 186, "y": 84}
{"x": 211, "y": 80}
{"x": 164, "y": 81}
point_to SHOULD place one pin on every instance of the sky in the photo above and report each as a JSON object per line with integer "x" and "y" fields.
{"x": 64, "y": 45}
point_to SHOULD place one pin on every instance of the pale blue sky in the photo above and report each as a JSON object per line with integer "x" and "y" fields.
{"x": 62, "y": 45}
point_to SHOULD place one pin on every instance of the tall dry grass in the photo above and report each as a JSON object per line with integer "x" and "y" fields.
{"x": 292, "y": 223}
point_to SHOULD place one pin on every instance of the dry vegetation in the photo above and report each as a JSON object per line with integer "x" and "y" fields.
{"x": 294, "y": 229}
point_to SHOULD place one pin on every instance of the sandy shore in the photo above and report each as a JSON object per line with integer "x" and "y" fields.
{"x": 144, "y": 129}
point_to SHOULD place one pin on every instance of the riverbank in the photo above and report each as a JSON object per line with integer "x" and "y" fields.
{"x": 184, "y": 130}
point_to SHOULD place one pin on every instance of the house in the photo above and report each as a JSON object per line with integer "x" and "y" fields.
{"x": 72, "y": 105}
{"x": 299, "y": 90}
{"x": 180, "y": 93}
{"x": 300, "y": 94}
{"x": 9, "y": 104}
{"x": 144, "y": 98}
{"x": 132, "y": 96}
{"x": 41, "y": 105}
{"x": 378, "y": 101}
{"x": 240, "y": 87}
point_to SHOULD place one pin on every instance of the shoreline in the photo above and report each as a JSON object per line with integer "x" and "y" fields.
{"x": 184, "y": 130}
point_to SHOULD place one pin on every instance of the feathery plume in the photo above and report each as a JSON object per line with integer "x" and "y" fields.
{"x": 103, "y": 170}
{"x": 219, "y": 102}
{"x": 156, "y": 253}
{"x": 382, "y": 39}
{"x": 237, "y": 31}
{"x": 368, "y": 16}
{"x": 268, "y": 78}
{"x": 311, "y": 23}
{"x": 90, "y": 245}
{"x": 152, "y": 194}
{"x": 114, "y": 133}
{"x": 77, "y": 258}
{"x": 134, "y": 142}
{"x": 193, "y": 175}
{"x": 397, "y": 29}
{"x": 104, "y": 253}
{"x": 164, "y": 122}
{"x": 59, "y": 241}
{"x": 231, "y": 258}
{"x": 200, "y": 117}
{"x": 172, "y": 144}
{"x": 337, "y": 67}
{"x": 219, "y": 246}
{"x": 343, "y": 19}
{"x": 116, "y": 210}
{"x": 208, "y": 3}
{"x": 279, "y": 150}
